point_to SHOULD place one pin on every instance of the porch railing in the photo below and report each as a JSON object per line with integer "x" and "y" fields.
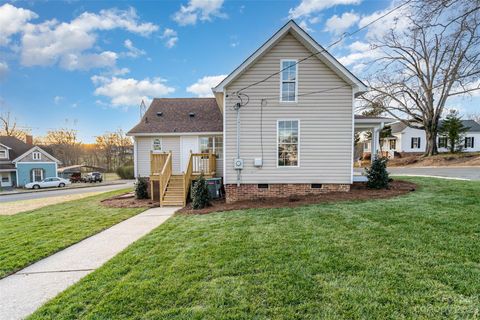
{"x": 165, "y": 176}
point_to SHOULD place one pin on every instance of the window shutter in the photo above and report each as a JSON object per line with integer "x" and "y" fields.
{"x": 465, "y": 145}
{"x": 411, "y": 143}
{"x": 473, "y": 142}
{"x": 419, "y": 145}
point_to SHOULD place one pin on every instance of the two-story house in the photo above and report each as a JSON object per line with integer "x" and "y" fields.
{"x": 281, "y": 124}
{"x": 21, "y": 162}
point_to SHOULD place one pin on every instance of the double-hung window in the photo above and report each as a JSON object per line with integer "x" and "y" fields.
{"x": 415, "y": 144}
{"x": 393, "y": 144}
{"x": 3, "y": 154}
{"x": 442, "y": 142}
{"x": 37, "y": 175}
{"x": 287, "y": 143}
{"x": 157, "y": 144}
{"x": 288, "y": 85}
{"x": 469, "y": 142}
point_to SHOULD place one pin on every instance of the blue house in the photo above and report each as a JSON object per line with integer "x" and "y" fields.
{"x": 22, "y": 162}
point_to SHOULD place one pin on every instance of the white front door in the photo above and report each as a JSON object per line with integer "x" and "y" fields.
{"x": 187, "y": 144}
{"x": 5, "y": 179}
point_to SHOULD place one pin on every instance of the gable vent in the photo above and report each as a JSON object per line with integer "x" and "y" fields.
{"x": 191, "y": 114}
{"x": 159, "y": 114}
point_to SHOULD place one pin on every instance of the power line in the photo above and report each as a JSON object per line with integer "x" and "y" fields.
{"x": 343, "y": 36}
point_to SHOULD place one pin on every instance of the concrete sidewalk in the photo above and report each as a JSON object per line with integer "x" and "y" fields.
{"x": 25, "y": 291}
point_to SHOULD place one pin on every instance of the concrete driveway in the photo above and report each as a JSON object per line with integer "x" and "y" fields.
{"x": 62, "y": 192}
{"x": 471, "y": 173}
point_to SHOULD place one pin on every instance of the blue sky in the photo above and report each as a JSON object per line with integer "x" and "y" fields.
{"x": 87, "y": 65}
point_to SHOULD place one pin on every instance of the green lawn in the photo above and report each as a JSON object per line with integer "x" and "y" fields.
{"x": 411, "y": 257}
{"x": 30, "y": 236}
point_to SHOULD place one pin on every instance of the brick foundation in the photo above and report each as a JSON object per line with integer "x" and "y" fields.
{"x": 253, "y": 192}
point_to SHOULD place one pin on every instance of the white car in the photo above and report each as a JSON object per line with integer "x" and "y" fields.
{"x": 48, "y": 183}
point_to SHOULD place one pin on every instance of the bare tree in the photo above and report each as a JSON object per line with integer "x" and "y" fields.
{"x": 65, "y": 145}
{"x": 114, "y": 147}
{"x": 9, "y": 127}
{"x": 436, "y": 57}
{"x": 474, "y": 116}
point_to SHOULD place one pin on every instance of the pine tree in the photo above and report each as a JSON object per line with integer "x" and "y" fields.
{"x": 453, "y": 129}
{"x": 377, "y": 174}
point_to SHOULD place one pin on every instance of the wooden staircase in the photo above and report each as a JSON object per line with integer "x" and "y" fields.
{"x": 174, "y": 194}
{"x": 172, "y": 189}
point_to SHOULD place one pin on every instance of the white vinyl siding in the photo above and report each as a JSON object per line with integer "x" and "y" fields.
{"x": 145, "y": 146}
{"x": 326, "y": 121}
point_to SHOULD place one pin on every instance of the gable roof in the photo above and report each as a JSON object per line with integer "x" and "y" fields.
{"x": 471, "y": 124}
{"x": 36, "y": 148}
{"x": 173, "y": 115}
{"x": 17, "y": 146}
{"x": 309, "y": 43}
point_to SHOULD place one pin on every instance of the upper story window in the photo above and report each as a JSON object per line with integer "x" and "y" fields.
{"x": 3, "y": 154}
{"x": 212, "y": 144}
{"x": 37, "y": 155}
{"x": 289, "y": 77}
{"x": 469, "y": 142}
{"x": 287, "y": 143}
{"x": 415, "y": 144}
{"x": 157, "y": 144}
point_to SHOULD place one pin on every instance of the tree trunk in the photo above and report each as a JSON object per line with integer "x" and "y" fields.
{"x": 431, "y": 143}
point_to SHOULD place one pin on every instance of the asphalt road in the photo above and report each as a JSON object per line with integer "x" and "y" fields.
{"x": 472, "y": 173}
{"x": 62, "y": 192}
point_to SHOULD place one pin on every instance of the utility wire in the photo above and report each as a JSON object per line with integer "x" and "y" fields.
{"x": 343, "y": 36}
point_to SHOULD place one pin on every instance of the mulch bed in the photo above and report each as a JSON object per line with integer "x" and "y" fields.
{"x": 128, "y": 200}
{"x": 358, "y": 191}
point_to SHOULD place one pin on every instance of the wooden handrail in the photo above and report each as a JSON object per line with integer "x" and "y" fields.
{"x": 187, "y": 177}
{"x": 165, "y": 175}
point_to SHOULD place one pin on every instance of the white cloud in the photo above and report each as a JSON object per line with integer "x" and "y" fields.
{"x": 309, "y": 7}
{"x": 129, "y": 92}
{"x": 203, "y": 10}
{"x": 133, "y": 52}
{"x": 359, "y": 46}
{"x": 339, "y": 24}
{"x": 396, "y": 20}
{"x": 3, "y": 69}
{"x": 57, "y": 99}
{"x": 170, "y": 37}
{"x": 68, "y": 43}
{"x": 12, "y": 21}
{"x": 203, "y": 87}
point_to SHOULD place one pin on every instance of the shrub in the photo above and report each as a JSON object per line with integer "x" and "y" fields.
{"x": 377, "y": 174}
{"x": 200, "y": 196}
{"x": 141, "y": 188}
{"x": 126, "y": 172}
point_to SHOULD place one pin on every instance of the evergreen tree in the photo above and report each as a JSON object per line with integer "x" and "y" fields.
{"x": 377, "y": 174}
{"x": 200, "y": 195}
{"x": 141, "y": 188}
{"x": 453, "y": 129}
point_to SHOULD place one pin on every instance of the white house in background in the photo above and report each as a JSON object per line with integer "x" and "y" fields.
{"x": 293, "y": 137}
{"x": 408, "y": 140}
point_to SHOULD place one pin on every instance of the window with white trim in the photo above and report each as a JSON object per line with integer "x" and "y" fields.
{"x": 37, "y": 175}
{"x": 288, "y": 85}
{"x": 157, "y": 144}
{"x": 415, "y": 144}
{"x": 393, "y": 144}
{"x": 287, "y": 143}
{"x": 3, "y": 154}
{"x": 442, "y": 142}
{"x": 212, "y": 144}
{"x": 36, "y": 155}
{"x": 469, "y": 142}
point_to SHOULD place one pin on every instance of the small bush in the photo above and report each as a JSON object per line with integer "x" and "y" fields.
{"x": 126, "y": 172}
{"x": 377, "y": 174}
{"x": 141, "y": 188}
{"x": 200, "y": 196}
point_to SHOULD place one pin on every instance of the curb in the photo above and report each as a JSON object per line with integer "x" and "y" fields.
{"x": 9, "y": 193}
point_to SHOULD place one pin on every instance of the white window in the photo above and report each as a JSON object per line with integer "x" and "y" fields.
{"x": 415, "y": 144}
{"x": 212, "y": 144}
{"x": 157, "y": 144}
{"x": 3, "y": 154}
{"x": 393, "y": 144}
{"x": 288, "y": 81}
{"x": 287, "y": 143}
{"x": 37, "y": 175}
{"x": 37, "y": 155}
{"x": 469, "y": 142}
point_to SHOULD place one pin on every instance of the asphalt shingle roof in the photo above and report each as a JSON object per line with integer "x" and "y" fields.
{"x": 18, "y": 147}
{"x": 174, "y": 115}
{"x": 471, "y": 124}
